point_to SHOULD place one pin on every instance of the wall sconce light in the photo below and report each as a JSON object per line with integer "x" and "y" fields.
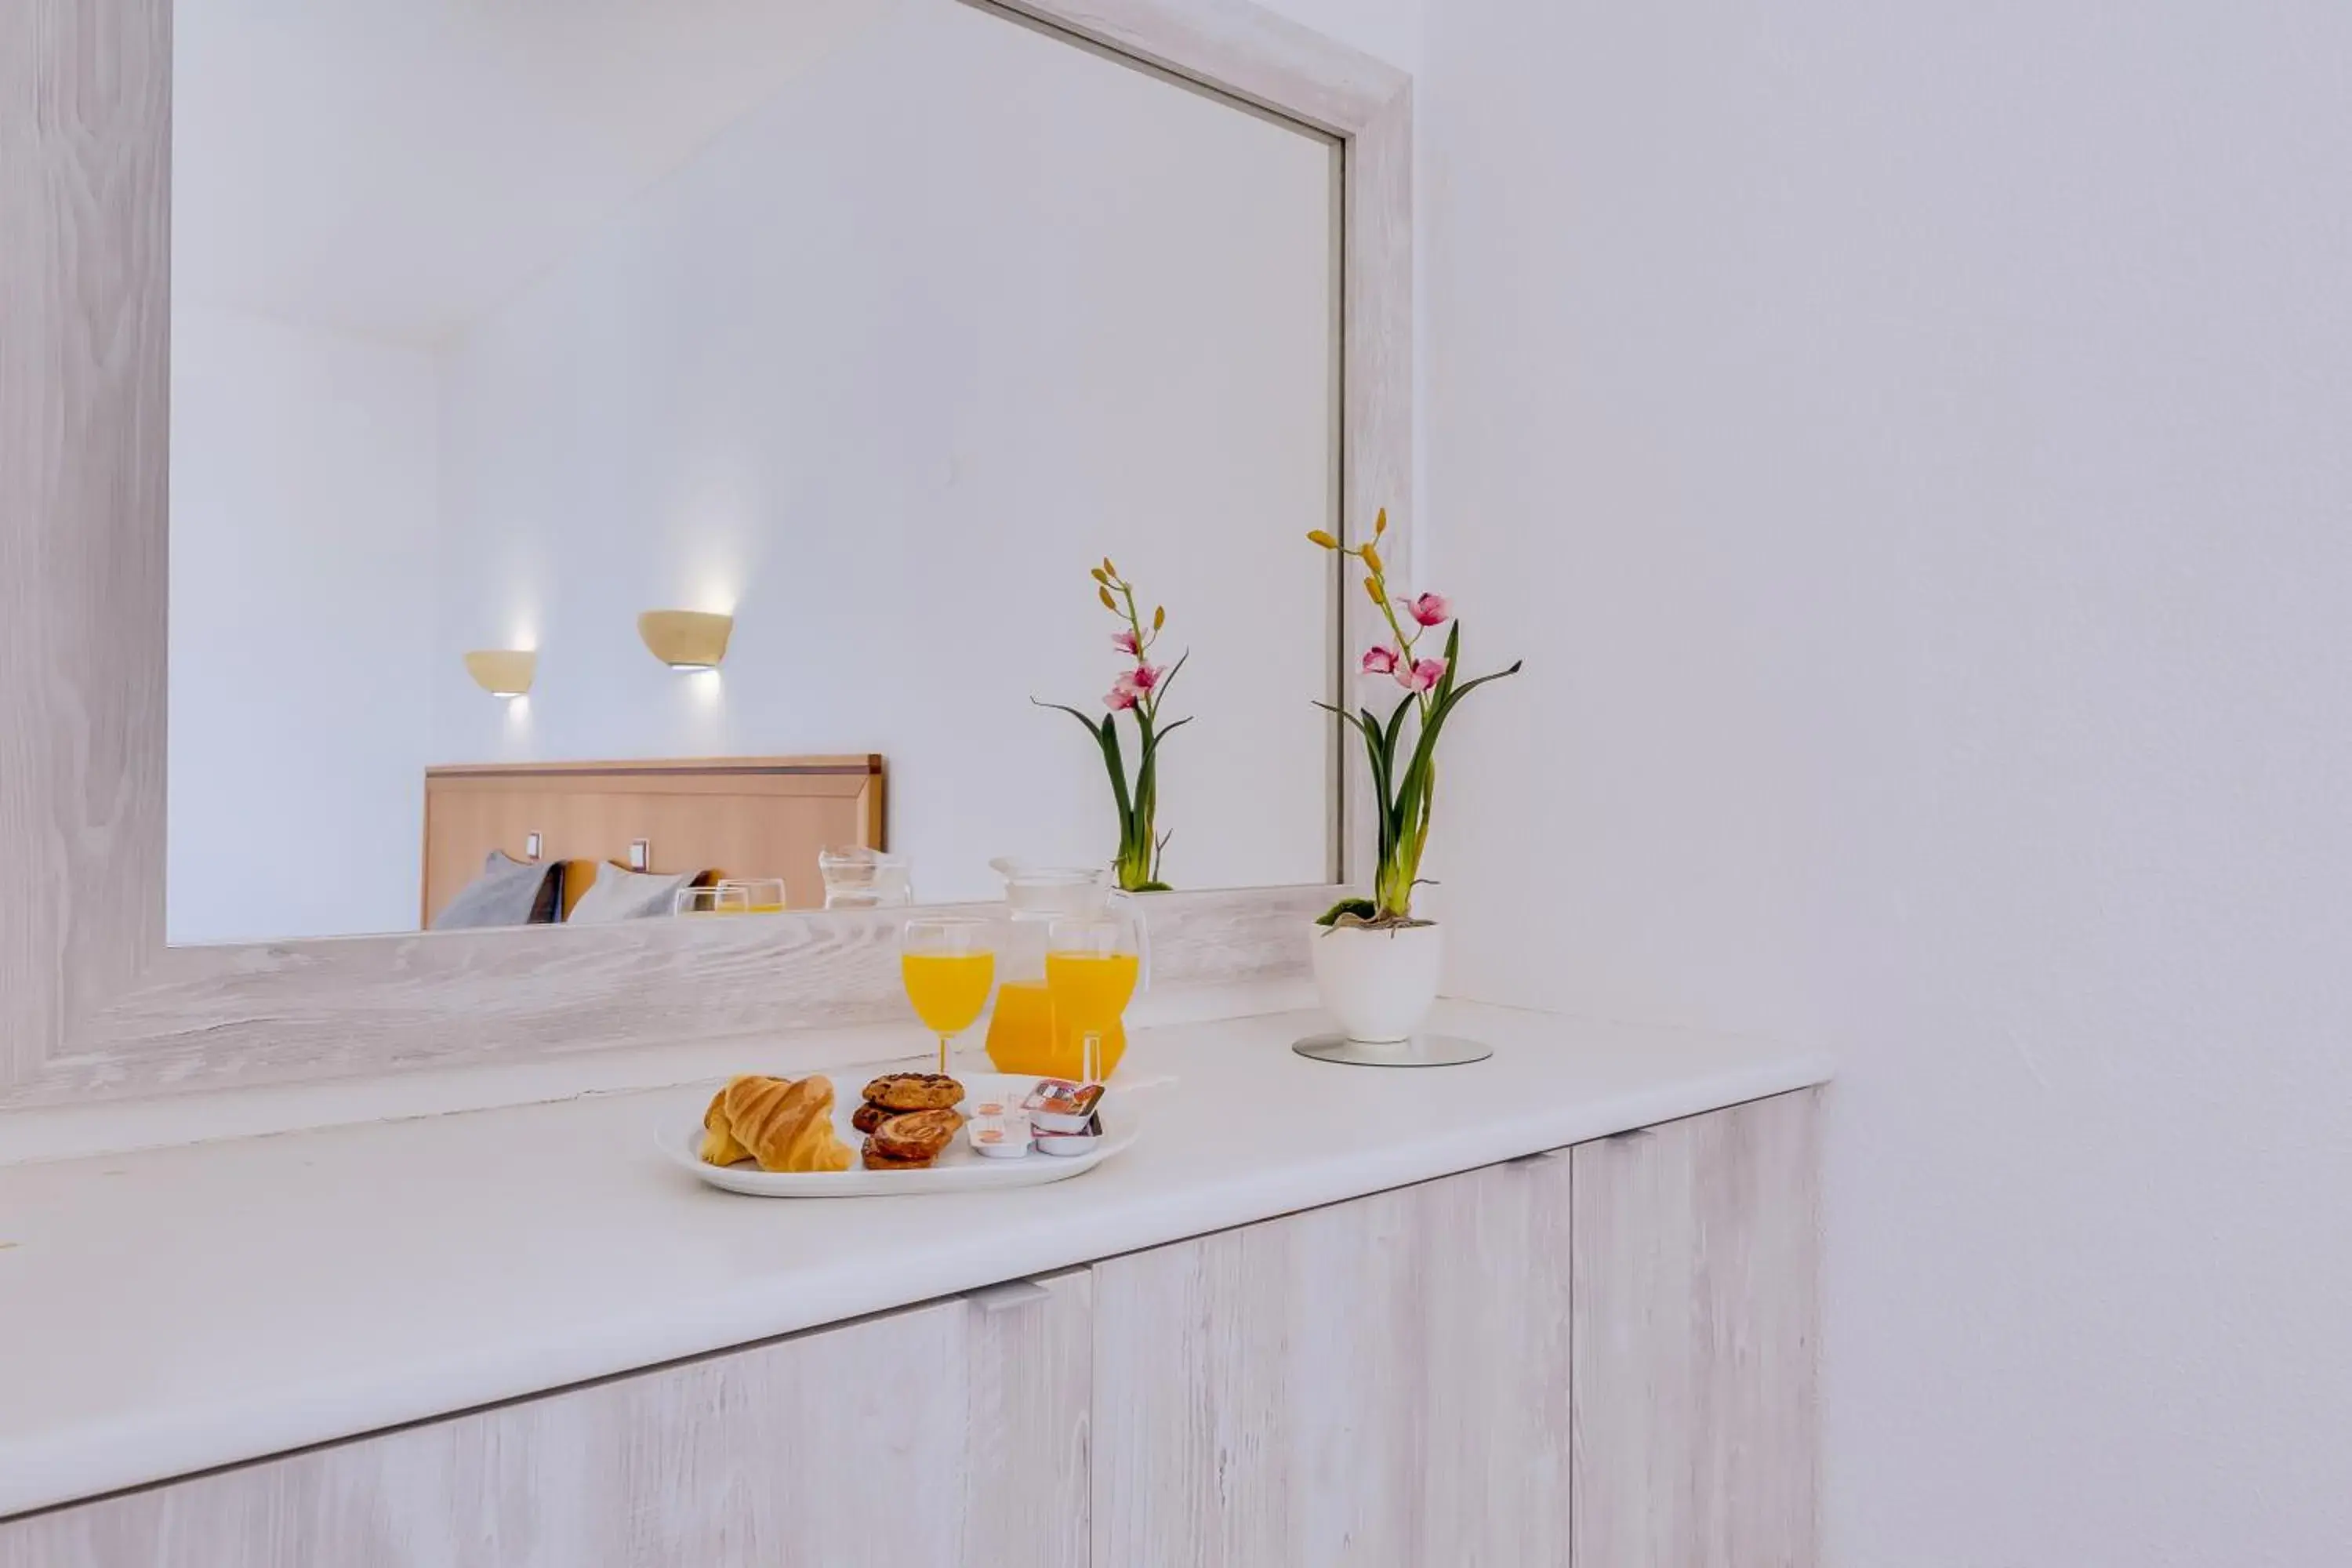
{"x": 686, "y": 639}
{"x": 503, "y": 672}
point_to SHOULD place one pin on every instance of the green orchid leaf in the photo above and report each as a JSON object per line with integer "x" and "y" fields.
{"x": 1169, "y": 680}
{"x": 1085, "y": 719}
{"x": 1112, "y": 760}
{"x": 1383, "y": 824}
{"x": 1453, "y": 699}
{"x": 1147, "y": 772}
{"x": 1396, "y": 723}
{"x": 1393, "y": 820}
{"x": 1342, "y": 712}
{"x": 1417, "y": 797}
{"x": 1452, "y": 661}
{"x": 1378, "y": 755}
{"x": 1152, "y": 739}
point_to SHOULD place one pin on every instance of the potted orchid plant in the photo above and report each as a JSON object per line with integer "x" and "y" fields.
{"x": 1375, "y": 962}
{"x": 1137, "y": 692}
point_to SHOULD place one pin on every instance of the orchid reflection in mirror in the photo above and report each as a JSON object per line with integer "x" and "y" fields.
{"x": 1137, "y": 692}
{"x": 1404, "y": 779}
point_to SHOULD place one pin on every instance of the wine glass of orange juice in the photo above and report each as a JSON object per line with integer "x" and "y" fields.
{"x": 1091, "y": 968}
{"x": 948, "y": 966}
{"x": 760, "y": 895}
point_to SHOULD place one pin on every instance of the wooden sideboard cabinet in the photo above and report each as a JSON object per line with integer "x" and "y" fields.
{"x": 1697, "y": 1311}
{"x": 947, "y": 1434}
{"x": 1601, "y": 1357}
{"x": 1384, "y": 1381}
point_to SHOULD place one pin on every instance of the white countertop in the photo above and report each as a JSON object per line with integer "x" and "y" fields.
{"x": 167, "y": 1312}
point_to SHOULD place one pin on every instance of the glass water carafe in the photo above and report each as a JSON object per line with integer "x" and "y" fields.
{"x": 1022, "y": 1035}
{"x": 856, "y": 877}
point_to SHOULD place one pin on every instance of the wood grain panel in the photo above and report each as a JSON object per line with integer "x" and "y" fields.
{"x": 880, "y": 1444}
{"x": 1376, "y": 403}
{"x": 290, "y": 1011}
{"x": 85, "y": 240}
{"x": 1379, "y": 1382}
{"x": 1250, "y": 1399}
{"x": 1696, "y": 1283}
{"x": 92, "y": 1003}
{"x": 1496, "y": 1477}
{"x": 1029, "y": 1369}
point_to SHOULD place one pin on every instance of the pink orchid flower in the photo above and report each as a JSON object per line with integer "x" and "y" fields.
{"x": 1421, "y": 677}
{"x": 1430, "y": 609}
{"x": 1141, "y": 679}
{"x": 1126, "y": 643}
{"x": 1120, "y": 699}
{"x": 1381, "y": 659}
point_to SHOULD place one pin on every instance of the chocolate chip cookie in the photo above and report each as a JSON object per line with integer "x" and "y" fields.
{"x": 904, "y": 1091}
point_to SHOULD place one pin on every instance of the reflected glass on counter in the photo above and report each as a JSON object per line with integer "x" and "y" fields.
{"x": 715, "y": 899}
{"x": 856, "y": 877}
{"x": 774, "y": 376}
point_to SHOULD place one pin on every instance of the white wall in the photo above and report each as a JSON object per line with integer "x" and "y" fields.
{"x": 303, "y": 505}
{"x": 888, "y": 393}
{"x": 1913, "y": 447}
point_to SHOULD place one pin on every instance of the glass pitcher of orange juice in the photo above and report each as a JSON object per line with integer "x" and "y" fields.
{"x": 1022, "y": 1037}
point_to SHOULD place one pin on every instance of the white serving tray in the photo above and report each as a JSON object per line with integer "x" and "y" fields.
{"x": 960, "y": 1169}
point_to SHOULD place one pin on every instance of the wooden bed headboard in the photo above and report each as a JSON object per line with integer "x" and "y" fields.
{"x": 734, "y": 817}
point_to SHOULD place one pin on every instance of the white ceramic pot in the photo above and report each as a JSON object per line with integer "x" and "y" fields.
{"x": 1380, "y": 984}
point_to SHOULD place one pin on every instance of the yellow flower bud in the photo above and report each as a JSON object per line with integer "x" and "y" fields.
{"x": 1109, "y": 568}
{"x": 1159, "y": 617}
{"x": 1380, "y": 523}
{"x": 1372, "y": 560}
{"x": 1108, "y": 603}
{"x": 1097, "y": 576}
{"x": 1317, "y": 536}
{"x": 1372, "y": 591}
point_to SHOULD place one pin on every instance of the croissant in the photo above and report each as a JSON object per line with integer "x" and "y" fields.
{"x": 719, "y": 1144}
{"x": 787, "y": 1126}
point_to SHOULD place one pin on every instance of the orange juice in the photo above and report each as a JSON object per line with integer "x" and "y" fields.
{"x": 1089, "y": 992}
{"x": 1021, "y": 1039}
{"x": 948, "y": 989}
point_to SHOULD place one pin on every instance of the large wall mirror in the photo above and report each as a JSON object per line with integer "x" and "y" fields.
{"x": 874, "y": 325}
{"x": 375, "y": 369}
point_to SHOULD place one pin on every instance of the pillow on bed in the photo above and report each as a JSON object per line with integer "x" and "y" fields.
{"x": 509, "y": 892}
{"x": 621, "y": 894}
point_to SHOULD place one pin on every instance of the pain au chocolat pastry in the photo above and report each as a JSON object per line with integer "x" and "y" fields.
{"x": 787, "y": 1125}
{"x": 719, "y": 1144}
{"x": 903, "y": 1091}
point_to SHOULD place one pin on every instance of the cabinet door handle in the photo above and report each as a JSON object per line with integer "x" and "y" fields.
{"x": 1008, "y": 1297}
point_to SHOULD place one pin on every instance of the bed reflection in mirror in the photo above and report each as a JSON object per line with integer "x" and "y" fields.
{"x": 631, "y": 448}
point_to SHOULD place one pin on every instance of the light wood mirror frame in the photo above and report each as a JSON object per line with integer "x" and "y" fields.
{"x": 93, "y": 1003}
